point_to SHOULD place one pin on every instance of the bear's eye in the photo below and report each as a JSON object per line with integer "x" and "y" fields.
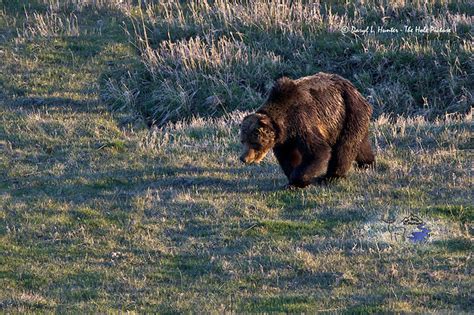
{"x": 256, "y": 145}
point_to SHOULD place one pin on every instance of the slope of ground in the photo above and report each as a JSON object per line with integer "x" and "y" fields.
{"x": 99, "y": 213}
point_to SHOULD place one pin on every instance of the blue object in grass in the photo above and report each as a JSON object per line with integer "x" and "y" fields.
{"x": 419, "y": 237}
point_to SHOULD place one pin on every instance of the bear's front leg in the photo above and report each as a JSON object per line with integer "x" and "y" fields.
{"x": 313, "y": 164}
{"x": 289, "y": 157}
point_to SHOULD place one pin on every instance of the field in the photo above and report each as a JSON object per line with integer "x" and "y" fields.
{"x": 121, "y": 188}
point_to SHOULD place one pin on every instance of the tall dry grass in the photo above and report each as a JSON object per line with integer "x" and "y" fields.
{"x": 212, "y": 57}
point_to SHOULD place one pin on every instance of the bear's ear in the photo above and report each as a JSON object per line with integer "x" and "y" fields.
{"x": 263, "y": 120}
{"x": 282, "y": 89}
{"x": 248, "y": 121}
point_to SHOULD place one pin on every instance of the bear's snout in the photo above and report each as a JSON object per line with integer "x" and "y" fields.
{"x": 253, "y": 156}
{"x": 245, "y": 159}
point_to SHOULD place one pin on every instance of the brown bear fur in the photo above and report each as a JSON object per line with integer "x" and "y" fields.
{"x": 316, "y": 125}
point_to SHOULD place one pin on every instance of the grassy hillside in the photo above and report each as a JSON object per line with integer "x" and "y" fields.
{"x": 98, "y": 213}
{"x": 212, "y": 57}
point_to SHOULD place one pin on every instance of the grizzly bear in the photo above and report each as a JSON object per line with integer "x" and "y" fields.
{"x": 317, "y": 126}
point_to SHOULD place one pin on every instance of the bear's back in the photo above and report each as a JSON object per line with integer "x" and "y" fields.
{"x": 323, "y": 102}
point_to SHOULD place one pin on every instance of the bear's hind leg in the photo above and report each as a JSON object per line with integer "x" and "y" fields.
{"x": 346, "y": 149}
{"x": 341, "y": 159}
{"x": 365, "y": 157}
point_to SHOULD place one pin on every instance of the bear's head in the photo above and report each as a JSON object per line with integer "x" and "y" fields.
{"x": 257, "y": 136}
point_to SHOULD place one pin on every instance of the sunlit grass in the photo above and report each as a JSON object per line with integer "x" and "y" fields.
{"x": 212, "y": 57}
{"x": 99, "y": 213}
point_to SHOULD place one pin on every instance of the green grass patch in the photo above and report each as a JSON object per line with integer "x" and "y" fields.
{"x": 366, "y": 309}
{"x": 278, "y": 304}
{"x": 458, "y": 213}
{"x": 290, "y": 229}
{"x": 455, "y": 245}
